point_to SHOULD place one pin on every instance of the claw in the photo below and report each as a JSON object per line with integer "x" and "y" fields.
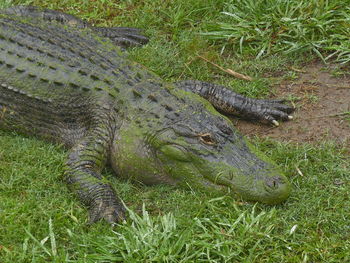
{"x": 290, "y": 117}
{"x": 274, "y": 122}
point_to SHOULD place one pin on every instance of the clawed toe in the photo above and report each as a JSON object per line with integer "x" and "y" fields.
{"x": 284, "y": 108}
{"x": 110, "y": 213}
{"x": 274, "y": 110}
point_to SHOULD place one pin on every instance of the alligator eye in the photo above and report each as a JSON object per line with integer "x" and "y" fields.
{"x": 207, "y": 138}
{"x": 175, "y": 152}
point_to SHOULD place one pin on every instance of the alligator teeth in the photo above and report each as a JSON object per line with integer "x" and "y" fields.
{"x": 274, "y": 122}
{"x": 290, "y": 117}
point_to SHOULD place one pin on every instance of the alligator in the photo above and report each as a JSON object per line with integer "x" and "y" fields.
{"x": 68, "y": 82}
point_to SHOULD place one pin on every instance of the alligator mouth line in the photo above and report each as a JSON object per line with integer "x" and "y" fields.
{"x": 222, "y": 182}
{"x": 272, "y": 191}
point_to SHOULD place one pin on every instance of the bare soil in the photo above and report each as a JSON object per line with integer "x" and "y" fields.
{"x": 323, "y": 109}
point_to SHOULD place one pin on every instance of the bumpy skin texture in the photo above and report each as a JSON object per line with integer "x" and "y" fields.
{"x": 121, "y": 36}
{"x": 71, "y": 85}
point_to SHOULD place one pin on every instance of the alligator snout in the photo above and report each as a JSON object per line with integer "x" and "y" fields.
{"x": 275, "y": 182}
{"x": 277, "y": 188}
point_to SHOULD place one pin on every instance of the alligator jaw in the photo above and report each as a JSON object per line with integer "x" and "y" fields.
{"x": 264, "y": 188}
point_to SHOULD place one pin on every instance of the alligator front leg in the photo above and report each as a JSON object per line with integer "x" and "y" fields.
{"x": 120, "y": 36}
{"x": 83, "y": 176}
{"x": 230, "y": 102}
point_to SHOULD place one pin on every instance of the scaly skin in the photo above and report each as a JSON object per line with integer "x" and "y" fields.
{"x": 121, "y": 36}
{"x": 71, "y": 86}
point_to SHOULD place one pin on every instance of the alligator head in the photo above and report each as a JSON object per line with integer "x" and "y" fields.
{"x": 191, "y": 144}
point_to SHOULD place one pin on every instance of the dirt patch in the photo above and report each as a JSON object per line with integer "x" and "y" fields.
{"x": 323, "y": 109}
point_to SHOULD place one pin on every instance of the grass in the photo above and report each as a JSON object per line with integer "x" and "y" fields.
{"x": 40, "y": 221}
{"x": 267, "y": 27}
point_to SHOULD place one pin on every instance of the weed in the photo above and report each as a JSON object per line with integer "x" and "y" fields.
{"x": 265, "y": 27}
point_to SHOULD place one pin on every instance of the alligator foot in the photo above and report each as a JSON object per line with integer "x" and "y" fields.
{"x": 122, "y": 36}
{"x": 229, "y": 102}
{"x": 112, "y": 213}
{"x": 266, "y": 111}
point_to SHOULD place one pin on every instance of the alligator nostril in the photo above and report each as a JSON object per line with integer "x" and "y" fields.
{"x": 274, "y": 182}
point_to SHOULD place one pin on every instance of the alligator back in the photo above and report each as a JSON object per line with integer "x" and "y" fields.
{"x": 52, "y": 78}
